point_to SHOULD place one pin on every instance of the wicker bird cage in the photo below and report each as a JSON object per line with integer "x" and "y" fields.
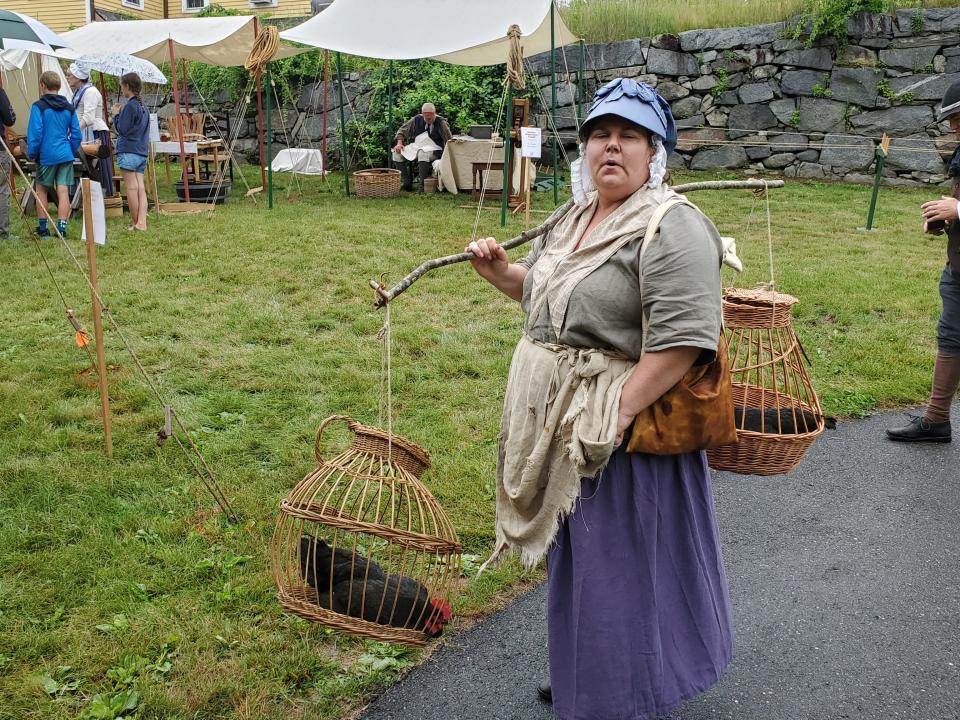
{"x": 377, "y": 183}
{"x": 778, "y": 413}
{"x": 362, "y": 546}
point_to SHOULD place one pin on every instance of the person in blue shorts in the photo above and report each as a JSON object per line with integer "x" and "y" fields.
{"x": 53, "y": 138}
{"x": 132, "y": 123}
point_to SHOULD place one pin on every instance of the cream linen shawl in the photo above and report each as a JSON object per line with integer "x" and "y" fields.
{"x": 559, "y": 417}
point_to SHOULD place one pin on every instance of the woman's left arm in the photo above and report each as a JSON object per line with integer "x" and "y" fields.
{"x": 680, "y": 288}
{"x": 656, "y": 373}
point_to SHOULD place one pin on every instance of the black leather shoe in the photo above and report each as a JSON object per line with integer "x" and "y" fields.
{"x": 545, "y": 693}
{"x": 919, "y": 429}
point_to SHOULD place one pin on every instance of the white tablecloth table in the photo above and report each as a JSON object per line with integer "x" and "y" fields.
{"x": 455, "y": 174}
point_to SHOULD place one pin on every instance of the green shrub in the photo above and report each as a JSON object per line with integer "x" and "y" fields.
{"x": 465, "y": 96}
{"x": 828, "y": 18}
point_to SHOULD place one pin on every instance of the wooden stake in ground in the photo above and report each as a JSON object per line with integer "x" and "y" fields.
{"x": 97, "y": 322}
{"x": 526, "y": 199}
{"x": 881, "y": 156}
{"x": 152, "y": 171}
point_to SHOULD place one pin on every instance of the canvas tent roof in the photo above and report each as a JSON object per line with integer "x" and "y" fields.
{"x": 462, "y": 32}
{"x": 21, "y": 79}
{"x": 224, "y": 41}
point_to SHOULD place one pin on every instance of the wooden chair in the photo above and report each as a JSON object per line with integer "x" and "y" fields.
{"x": 193, "y": 125}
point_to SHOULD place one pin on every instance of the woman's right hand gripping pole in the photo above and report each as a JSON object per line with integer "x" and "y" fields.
{"x": 491, "y": 263}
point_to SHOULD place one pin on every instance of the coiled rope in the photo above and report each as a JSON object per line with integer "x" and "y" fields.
{"x": 265, "y": 47}
{"x": 515, "y": 75}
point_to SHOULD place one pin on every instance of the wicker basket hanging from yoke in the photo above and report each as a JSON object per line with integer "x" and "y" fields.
{"x": 363, "y": 547}
{"x": 777, "y": 412}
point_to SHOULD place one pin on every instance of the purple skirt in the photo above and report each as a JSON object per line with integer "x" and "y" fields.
{"x": 638, "y": 613}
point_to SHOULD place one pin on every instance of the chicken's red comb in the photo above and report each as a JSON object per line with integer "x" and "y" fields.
{"x": 444, "y": 607}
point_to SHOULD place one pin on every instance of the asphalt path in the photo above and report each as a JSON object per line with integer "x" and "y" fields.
{"x": 845, "y": 583}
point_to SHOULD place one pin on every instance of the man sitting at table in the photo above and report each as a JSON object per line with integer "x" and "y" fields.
{"x": 429, "y": 132}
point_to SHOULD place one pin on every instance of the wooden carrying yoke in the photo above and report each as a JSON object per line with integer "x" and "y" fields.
{"x": 383, "y": 295}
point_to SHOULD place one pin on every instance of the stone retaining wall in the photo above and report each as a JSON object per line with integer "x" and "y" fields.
{"x": 749, "y": 97}
{"x": 754, "y": 98}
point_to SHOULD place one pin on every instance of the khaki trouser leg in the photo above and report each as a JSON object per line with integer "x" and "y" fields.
{"x": 5, "y": 161}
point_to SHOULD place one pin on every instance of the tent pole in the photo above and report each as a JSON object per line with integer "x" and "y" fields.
{"x": 326, "y": 84}
{"x": 186, "y": 88}
{"x": 344, "y": 144}
{"x": 258, "y": 78}
{"x": 270, "y": 96}
{"x": 580, "y": 80}
{"x": 389, "y": 112}
{"x": 176, "y": 107}
{"x": 553, "y": 99}
{"x": 103, "y": 94}
{"x": 508, "y": 126}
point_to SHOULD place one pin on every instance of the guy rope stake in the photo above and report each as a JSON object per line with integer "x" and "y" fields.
{"x": 97, "y": 321}
{"x": 384, "y": 296}
{"x": 883, "y": 149}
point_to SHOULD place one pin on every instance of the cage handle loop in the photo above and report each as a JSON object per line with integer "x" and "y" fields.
{"x": 333, "y": 418}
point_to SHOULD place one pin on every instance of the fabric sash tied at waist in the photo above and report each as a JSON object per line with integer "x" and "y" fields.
{"x": 559, "y": 425}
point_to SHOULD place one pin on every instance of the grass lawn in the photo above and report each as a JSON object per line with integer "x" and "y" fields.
{"x": 119, "y": 585}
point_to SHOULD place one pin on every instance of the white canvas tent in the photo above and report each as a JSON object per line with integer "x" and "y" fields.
{"x": 21, "y": 80}
{"x": 461, "y": 32}
{"x": 224, "y": 41}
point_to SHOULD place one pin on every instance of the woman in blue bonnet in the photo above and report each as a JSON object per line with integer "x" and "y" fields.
{"x": 638, "y": 610}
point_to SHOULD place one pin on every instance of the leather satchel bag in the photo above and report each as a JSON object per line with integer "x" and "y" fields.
{"x": 697, "y": 412}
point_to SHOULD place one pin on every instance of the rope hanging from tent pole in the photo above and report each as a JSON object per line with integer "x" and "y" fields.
{"x": 264, "y": 49}
{"x": 515, "y": 59}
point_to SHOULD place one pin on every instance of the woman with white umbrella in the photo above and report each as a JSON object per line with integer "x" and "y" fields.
{"x": 88, "y": 103}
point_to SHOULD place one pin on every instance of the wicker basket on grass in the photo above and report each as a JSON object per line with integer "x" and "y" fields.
{"x": 778, "y": 413}
{"x": 363, "y": 547}
{"x": 376, "y": 183}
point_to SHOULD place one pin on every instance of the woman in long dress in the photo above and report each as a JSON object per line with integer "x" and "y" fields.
{"x": 638, "y": 612}
{"x": 88, "y": 102}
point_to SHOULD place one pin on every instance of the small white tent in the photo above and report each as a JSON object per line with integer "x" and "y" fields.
{"x": 21, "y": 80}
{"x": 461, "y": 32}
{"x": 224, "y": 41}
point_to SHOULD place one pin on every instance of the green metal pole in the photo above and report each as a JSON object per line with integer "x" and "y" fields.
{"x": 390, "y": 113}
{"x": 344, "y": 144}
{"x": 553, "y": 95}
{"x": 580, "y": 81}
{"x": 270, "y": 97}
{"x": 881, "y": 158}
{"x": 505, "y": 190}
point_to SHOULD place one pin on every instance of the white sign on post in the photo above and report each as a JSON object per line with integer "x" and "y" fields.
{"x": 530, "y": 141}
{"x": 154, "y": 128}
{"x": 99, "y": 215}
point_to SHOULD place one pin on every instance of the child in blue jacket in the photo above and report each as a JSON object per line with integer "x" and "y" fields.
{"x": 53, "y": 138}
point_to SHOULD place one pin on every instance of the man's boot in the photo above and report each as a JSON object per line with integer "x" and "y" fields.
{"x": 426, "y": 170}
{"x": 406, "y": 176}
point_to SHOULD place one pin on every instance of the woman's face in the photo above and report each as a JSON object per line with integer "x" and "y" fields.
{"x": 954, "y": 121}
{"x": 618, "y": 153}
{"x": 73, "y": 82}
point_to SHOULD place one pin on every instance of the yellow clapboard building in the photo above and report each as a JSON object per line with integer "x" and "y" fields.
{"x": 63, "y": 15}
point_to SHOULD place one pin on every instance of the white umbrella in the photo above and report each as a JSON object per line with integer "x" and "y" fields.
{"x": 22, "y": 32}
{"x": 120, "y": 64}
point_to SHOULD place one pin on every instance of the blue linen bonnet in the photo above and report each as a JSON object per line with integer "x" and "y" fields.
{"x": 637, "y": 102}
